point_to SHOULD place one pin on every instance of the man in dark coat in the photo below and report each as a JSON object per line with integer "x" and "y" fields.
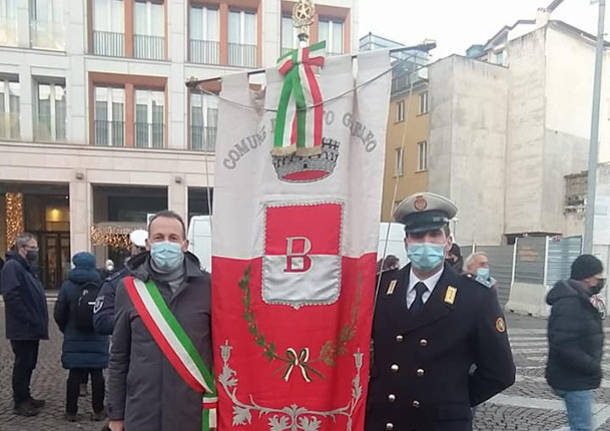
{"x": 576, "y": 339}
{"x": 145, "y": 391}
{"x": 84, "y": 352}
{"x": 431, "y": 326}
{"x": 27, "y": 318}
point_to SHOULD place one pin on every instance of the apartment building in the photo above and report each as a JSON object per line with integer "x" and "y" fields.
{"x": 97, "y": 127}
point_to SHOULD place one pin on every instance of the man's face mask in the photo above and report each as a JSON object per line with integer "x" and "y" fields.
{"x": 601, "y": 282}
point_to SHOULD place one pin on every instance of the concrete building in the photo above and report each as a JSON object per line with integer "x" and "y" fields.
{"x": 507, "y": 126}
{"x": 97, "y": 128}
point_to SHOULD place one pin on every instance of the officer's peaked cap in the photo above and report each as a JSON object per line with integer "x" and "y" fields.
{"x": 425, "y": 211}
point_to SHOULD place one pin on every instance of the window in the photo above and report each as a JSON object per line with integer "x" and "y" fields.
{"x": 109, "y": 116}
{"x": 149, "y": 118}
{"x": 8, "y": 22}
{"x": 290, "y": 39}
{"x": 242, "y": 38}
{"x": 108, "y": 28}
{"x": 422, "y": 156}
{"x": 332, "y": 32}
{"x": 423, "y": 103}
{"x": 204, "y": 119}
{"x": 204, "y": 41}
{"x": 9, "y": 108}
{"x": 499, "y": 57}
{"x": 50, "y": 110}
{"x": 148, "y": 38}
{"x": 47, "y": 24}
{"x": 400, "y": 111}
{"x": 399, "y": 170}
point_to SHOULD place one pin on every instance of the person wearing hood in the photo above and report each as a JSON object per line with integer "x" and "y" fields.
{"x": 576, "y": 340}
{"x": 164, "y": 288}
{"x": 84, "y": 352}
{"x": 27, "y": 318}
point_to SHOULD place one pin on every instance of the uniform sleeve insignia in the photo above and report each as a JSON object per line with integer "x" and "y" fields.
{"x": 391, "y": 287}
{"x": 500, "y": 325}
{"x": 99, "y": 303}
{"x": 450, "y": 295}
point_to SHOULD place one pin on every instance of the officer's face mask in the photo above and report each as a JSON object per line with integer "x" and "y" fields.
{"x": 483, "y": 273}
{"x": 425, "y": 256}
{"x": 166, "y": 255}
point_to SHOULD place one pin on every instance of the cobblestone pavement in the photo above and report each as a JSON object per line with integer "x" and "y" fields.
{"x": 529, "y": 405}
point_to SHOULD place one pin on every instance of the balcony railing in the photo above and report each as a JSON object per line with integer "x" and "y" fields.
{"x": 242, "y": 55}
{"x": 108, "y": 43}
{"x": 9, "y": 125}
{"x": 109, "y": 133}
{"x": 45, "y": 127}
{"x": 204, "y": 51}
{"x": 148, "y": 47}
{"x": 48, "y": 35}
{"x": 203, "y": 138}
{"x": 8, "y": 32}
{"x": 149, "y": 135}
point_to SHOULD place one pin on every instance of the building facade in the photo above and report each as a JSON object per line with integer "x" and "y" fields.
{"x": 97, "y": 127}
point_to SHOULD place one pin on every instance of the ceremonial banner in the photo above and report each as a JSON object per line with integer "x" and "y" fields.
{"x": 295, "y": 229}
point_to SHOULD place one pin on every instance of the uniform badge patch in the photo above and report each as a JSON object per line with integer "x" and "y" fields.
{"x": 391, "y": 287}
{"x": 99, "y": 303}
{"x": 450, "y": 295}
{"x": 420, "y": 203}
{"x": 500, "y": 325}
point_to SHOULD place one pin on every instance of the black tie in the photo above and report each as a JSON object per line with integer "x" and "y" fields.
{"x": 418, "y": 304}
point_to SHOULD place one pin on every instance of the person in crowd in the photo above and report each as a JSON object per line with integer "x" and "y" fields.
{"x": 388, "y": 263}
{"x": 103, "y": 312}
{"x": 84, "y": 352}
{"x": 27, "y": 318}
{"x": 431, "y": 325}
{"x": 145, "y": 391}
{"x": 576, "y": 340}
{"x": 477, "y": 266}
{"x": 454, "y": 258}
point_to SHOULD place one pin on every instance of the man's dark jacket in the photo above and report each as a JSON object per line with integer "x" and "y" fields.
{"x": 25, "y": 303}
{"x": 576, "y": 339}
{"x": 420, "y": 377}
{"x": 103, "y": 312}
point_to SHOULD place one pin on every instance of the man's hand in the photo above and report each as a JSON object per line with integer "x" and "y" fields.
{"x": 116, "y": 425}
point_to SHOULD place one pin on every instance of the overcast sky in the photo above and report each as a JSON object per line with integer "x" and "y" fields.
{"x": 457, "y": 24}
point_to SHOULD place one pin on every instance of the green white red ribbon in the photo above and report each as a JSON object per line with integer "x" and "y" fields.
{"x": 175, "y": 345}
{"x": 297, "y": 129}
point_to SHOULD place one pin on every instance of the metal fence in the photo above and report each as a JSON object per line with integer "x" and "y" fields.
{"x": 204, "y": 51}
{"x": 108, "y": 43}
{"x": 149, "y": 135}
{"x": 109, "y": 133}
{"x": 501, "y": 267}
{"x": 530, "y": 257}
{"x": 242, "y": 55}
{"x": 203, "y": 138}
{"x": 148, "y": 47}
{"x": 561, "y": 253}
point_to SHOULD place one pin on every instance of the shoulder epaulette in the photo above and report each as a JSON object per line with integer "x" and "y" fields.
{"x": 482, "y": 282}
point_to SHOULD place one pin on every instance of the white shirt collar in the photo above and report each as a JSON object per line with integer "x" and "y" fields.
{"x": 430, "y": 282}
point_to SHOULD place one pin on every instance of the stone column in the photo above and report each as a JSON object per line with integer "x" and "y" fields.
{"x": 80, "y": 215}
{"x": 177, "y": 196}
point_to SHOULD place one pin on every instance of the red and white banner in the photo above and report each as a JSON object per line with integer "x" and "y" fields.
{"x": 294, "y": 252}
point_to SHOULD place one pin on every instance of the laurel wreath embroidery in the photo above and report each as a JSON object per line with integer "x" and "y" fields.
{"x": 292, "y": 359}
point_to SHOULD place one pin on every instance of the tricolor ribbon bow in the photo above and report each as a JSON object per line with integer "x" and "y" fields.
{"x": 296, "y": 129}
{"x": 299, "y": 360}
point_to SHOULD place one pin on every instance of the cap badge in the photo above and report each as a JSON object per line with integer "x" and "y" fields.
{"x": 420, "y": 203}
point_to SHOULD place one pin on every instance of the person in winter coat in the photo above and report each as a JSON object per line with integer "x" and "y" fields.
{"x": 84, "y": 352}
{"x": 576, "y": 339}
{"x": 145, "y": 391}
{"x": 27, "y": 318}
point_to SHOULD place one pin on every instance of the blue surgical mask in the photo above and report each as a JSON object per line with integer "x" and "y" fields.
{"x": 166, "y": 255}
{"x": 426, "y": 256}
{"x": 483, "y": 273}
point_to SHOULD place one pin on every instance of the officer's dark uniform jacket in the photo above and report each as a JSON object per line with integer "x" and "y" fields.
{"x": 420, "y": 371}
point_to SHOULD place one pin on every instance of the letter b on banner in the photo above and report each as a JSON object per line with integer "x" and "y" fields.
{"x": 297, "y": 250}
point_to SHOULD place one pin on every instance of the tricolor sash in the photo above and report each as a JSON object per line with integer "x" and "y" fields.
{"x": 175, "y": 344}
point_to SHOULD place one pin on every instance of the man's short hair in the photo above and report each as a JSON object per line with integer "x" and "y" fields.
{"x": 22, "y": 239}
{"x": 471, "y": 257}
{"x": 168, "y": 214}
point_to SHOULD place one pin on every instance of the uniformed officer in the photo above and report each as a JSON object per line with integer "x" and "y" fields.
{"x": 103, "y": 310}
{"x": 431, "y": 326}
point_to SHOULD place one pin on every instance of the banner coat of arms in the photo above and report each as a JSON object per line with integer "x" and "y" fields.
{"x": 294, "y": 247}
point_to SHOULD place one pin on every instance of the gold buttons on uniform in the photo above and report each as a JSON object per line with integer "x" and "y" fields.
{"x": 389, "y": 426}
{"x": 399, "y": 338}
{"x": 420, "y": 372}
{"x": 415, "y": 404}
{"x": 423, "y": 342}
{"x": 391, "y": 398}
{"x": 394, "y": 368}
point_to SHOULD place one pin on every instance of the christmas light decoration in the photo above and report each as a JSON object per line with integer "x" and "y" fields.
{"x": 14, "y": 217}
{"x": 111, "y": 236}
